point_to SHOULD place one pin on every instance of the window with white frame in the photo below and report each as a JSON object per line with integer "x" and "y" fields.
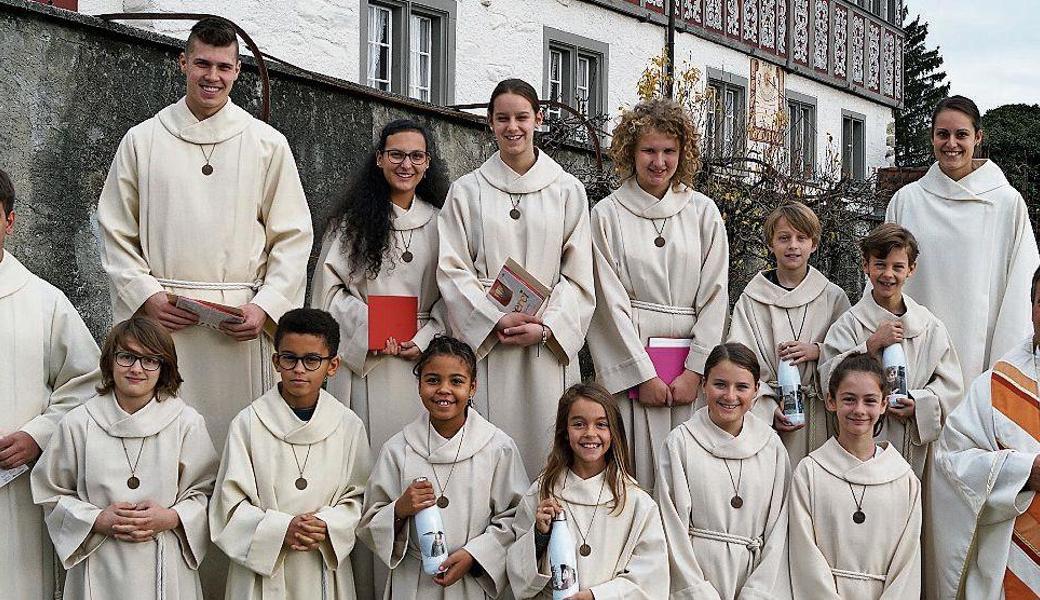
{"x": 556, "y": 79}
{"x": 725, "y": 127}
{"x": 573, "y": 69}
{"x": 409, "y": 48}
{"x": 853, "y": 145}
{"x": 801, "y": 136}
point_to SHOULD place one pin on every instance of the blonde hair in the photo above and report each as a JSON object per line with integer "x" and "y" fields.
{"x": 799, "y": 216}
{"x": 664, "y": 116}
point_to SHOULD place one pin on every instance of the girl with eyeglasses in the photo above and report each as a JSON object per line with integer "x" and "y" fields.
{"x": 126, "y": 479}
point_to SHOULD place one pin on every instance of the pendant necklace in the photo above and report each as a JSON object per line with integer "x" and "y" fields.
{"x": 407, "y": 255}
{"x": 207, "y": 169}
{"x": 859, "y": 516}
{"x": 515, "y": 212}
{"x": 585, "y": 549}
{"x": 736, "y": 501}
{"x": 133, "y": 482}
{"x": 301, "y": 481}
{"x": 442, "y": 499}
{"x": 659, "y": 240}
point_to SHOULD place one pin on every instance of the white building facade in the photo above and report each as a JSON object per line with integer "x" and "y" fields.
{"x": 833, "y": 67}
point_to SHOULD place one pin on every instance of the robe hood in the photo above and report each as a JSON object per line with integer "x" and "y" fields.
{"x": 887, "y": 466}
{"x": 13, "y": 275}
{"x": 584, "y": 492}
{"x": 417, "y": 215}
{"x": 541, "y": 175}
{"x": 754, "y": 436}
{"x": 474, "y": 436}
{"x": 228, "y": 122}
{"x": 986, "y": 178}
{"x": 762, "y": 290}
{"x": 870, "y": 314}
{"x": 283, "y": 423}
{"x": 642, "y": 204}
{"x": 148, "y": 421}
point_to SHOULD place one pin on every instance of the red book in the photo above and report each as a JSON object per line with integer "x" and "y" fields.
{"x": 669, "y": 358}
{"x": 391, "y": 317}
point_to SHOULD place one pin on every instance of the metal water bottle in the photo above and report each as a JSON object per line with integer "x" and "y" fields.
{"x": 792, "y": 400}
{"x": 432, "y": 542}
{"x": 563, "y": 561}
{"x": 894, "y": 360}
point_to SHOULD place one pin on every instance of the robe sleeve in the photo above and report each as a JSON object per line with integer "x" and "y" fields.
{"x": 130, "y": 278}
{"x": 945, "y": 387}
{"x": 377, "y": 521}
{"x": 569, "y": 308}
{"x": 712, "y": 302}
{"x": 645, "y": 575}
{"x": 617, "y": 350}
{"x": 770, "y": 579}
{"x": 344, "y": 514}
{"x": 1014, "y": 309}
{"x": 508, "y": 484}
{"x": 743, "y": 329}
{"x": 434, "y": 327}
{"x": 287, "y": 224}
{"x": 72, "y": 370}
{"x": 904, "y": 571}
{"x": 472, "y": 316}
{"x": 198, "y": 469}
{"x": 811, "y": 575}
{"x": 842, "y": 340}
{"x": 331, "y": 291}
{"x": 70, "y": 520}
{"x": 528, "y": 573}
{"x": 676, "y": 502}
{"x": 249, "y": 535}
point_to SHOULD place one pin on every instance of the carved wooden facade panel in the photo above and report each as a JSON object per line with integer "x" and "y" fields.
{"x": 821, "y": 39}
{"x": 857, "y": 43}
{"x": 800, "y": 35}
{"x": 733, "y": 18}
{"x": 768, "y": 17}
{"x": 841, "y": 41}
{"x": 751, "y": 21}
{"x": 873, "y": 56}
{"x": 781, "y": 27}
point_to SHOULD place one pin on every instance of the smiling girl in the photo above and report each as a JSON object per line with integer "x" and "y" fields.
{"x": 661, "y": 265}
{"x": 473, "y": 474}
{"x": 619, "y": 541}
{"x": 519, "y": 204}
{"x": 855, "y": 504}
{"x": 722, "y": 488}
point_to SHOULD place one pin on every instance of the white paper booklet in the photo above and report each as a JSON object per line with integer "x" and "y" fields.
{"x": 9, "y": 475}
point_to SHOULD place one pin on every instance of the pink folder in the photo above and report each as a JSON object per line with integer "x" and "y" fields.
{"x": 669, "y": 358}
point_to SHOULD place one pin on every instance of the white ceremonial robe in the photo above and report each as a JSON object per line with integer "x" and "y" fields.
{"x": 978, "y": 256}
{"x": 767, "y": 315}
{"x": 387, "y": 380}
{"x": 242, "y": 234}
{"x": 642, "y": 291}
{"x": 983, "y": 461}
{"x": 85, "y": 469}
{"x": 629, "y": 559}
{"x": 483, "y": 490}
{"x": 49, "y": 366}
{"x": 934, "y": 374}
{"x": 518, "y": 388}
{"x": 832, "y": 557}
{"x": 256, "y": 499}
{"x": 717, "y": 551}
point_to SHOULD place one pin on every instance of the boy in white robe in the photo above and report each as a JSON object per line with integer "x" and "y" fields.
{"x": 784, "y": 314}
{"x": 855, "y": 523}
{"x": 473, "y": 474}
{"x": 987, "y": 474}
{"x": 289, "y": 493}
{"x": 126, "y": 480}
{"x": 49, "y": 366}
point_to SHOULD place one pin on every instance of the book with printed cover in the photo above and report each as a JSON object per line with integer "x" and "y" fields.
{"x": 210, "y": 314}
{"x": 669, "y": 358}
{"x": 391, "y": 317}
{"x": 516, "y": 290}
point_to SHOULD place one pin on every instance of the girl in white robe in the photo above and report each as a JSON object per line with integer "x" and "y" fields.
{"x": 125, "y": 481}
{"x": 855, "y": 526}
{"x": 471, "y": 470}
{"x": 519, "y": 204}
{"x": 382, "y": 240}
{"x": 619, "y": 541}
{"x": 662, "y": 268}
{"x": 723, "y": 487}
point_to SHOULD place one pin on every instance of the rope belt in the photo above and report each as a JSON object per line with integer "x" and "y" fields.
{"x": 207, "y": 285}
{"x": 752, "y": 544}
{"x": 160, "y": 568}
{"x": 487, "y": 283}
{"x": 664, "y": 308}
{"x": 423, "y": 316}
{"x": 857, "y": 576}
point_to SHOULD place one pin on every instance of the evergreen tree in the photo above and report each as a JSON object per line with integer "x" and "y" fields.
{"x": 924, "y": 86}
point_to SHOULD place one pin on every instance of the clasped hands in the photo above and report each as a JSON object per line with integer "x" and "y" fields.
{"x": 519, "y": 329}
{"x": 135, "y": 521}
{"x": 158, "y": 307}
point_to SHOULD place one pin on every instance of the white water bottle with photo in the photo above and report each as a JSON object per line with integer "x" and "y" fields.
{"x": 792, "y": 400}
{"x": 432, "y": 541}
{"x": 894, "y": 360}
{"x": 563, "y": 560}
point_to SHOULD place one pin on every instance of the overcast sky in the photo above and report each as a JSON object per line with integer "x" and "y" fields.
{"x": 990, "y": 50}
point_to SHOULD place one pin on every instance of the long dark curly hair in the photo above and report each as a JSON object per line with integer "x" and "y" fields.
{"x": 363, "y": 213}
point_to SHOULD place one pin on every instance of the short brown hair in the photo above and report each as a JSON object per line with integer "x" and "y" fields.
{"x": 736, "y": 353}
{"x": 6, "y": 192}
{"x": 212, "y": 31}
{"x": 800, "y": 216}
{"x": 960, "y": 104}
{"x": 514, "y": 86}
{"x": 887, "y": 237}
{"x": 153, "y": 338}
{"x": 667, "y": 117}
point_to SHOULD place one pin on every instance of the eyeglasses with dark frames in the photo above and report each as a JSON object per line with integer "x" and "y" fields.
{"x": 148, "y": 363}
{"x": 418, "y": 157}
{"x": 288, "y": 361}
